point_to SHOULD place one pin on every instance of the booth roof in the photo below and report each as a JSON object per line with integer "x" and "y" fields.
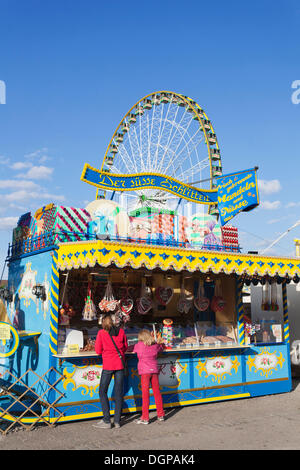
{"x": 84, "y": 254}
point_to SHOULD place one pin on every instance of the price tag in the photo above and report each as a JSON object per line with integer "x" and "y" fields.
{"x": 8, "y": 333}
{"x": 73, "y": 348}
{"x": 4, "y": 332}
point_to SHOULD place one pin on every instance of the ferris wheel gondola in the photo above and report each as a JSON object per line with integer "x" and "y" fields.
{"x": 166, "y": 133}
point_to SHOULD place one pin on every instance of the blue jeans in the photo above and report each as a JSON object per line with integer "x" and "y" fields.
{"x": 106, "y": 377}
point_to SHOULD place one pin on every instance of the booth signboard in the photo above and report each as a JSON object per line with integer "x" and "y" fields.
{"x": 237, "y": 192}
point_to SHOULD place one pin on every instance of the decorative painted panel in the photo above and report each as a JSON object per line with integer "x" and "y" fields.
{"x": 220, "y": 369}
{"x": 267, "y": 362}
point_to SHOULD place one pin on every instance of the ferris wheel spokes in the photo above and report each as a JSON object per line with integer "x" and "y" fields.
{"x": 165, "y": 133}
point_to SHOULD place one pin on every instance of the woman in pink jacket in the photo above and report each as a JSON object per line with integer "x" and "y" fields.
{"x": 147, "y": 350}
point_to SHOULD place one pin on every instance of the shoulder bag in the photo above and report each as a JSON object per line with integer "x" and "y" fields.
{"x": 124, "y": 362}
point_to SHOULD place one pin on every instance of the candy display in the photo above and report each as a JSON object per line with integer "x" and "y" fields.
{"x": 66, "y": 312}
{"x": 126, "y": 303}
{"x": 90, "y": 345}
{"x": 209, "y": 339}
{"x": 144, "y": 302}
{"x": 190, "y": 340}
{"x": 89, "y": 310}
{"x": 185, "y": 301}
{"x": 230, "y": 237}
{"x": 164, "y": 295}
{"x": 201, "y": 302}
{"x": 108, "y": 303}
{"x": 218, "y": 303}
{"x": 168, "y": 333}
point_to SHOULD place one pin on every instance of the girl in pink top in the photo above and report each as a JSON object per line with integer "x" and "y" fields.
{"x": 147, "y": 350}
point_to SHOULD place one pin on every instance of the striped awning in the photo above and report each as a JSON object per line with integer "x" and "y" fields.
{"x": 82, "y": 254}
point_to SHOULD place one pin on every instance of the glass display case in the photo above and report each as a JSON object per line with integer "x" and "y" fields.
{"x": 263, "y": 320}
{"x": 217, "y": 334}
{"x": 77, "y": 338}
{"x": 192, "y": 335}
{"x": 263, "y": 331}
{"x": 201, "y": 334}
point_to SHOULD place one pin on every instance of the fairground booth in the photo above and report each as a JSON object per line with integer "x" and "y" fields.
{"x": 155, "y": 247}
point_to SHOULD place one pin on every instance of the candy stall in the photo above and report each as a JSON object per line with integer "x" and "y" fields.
{"x": 161, "y": 264}
{"x": 216, "y": 348}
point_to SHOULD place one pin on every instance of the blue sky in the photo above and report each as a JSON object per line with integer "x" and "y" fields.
{"x": 72, "y": 69}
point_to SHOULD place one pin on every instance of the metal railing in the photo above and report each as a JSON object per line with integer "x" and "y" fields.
{"x": 47, "y": 240}
{"x": 23, "y": 406}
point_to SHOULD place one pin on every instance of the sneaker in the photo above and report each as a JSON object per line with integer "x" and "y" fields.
{"x": 141, "y": 421}
{"x": 161, "y": 418}
{"x": 117, "y": 425}
{"x": 102, "y": 425}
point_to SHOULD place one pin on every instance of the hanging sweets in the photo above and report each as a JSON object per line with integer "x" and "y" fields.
{"x": 164, "y": 295}
{"x": 108, "y": 303}
{"x": 218, "y": 303}
{"x": 168, "y": 332}
{"x": 185, "y": 302}
{"x": 201, "y": 302}
{"x": 265, "y": 300}
{"x": 126, "y": 303}
{"x": 144, "y": 302}
{"x": 89, "y": 310}
{"x": 274, "y": 302}
{"x": 125, "y": 306}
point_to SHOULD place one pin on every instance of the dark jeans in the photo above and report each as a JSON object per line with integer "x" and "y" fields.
{"x": 106, "y": 377}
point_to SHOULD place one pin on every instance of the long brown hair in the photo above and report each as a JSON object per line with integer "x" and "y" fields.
{"x": 107, "y": 322}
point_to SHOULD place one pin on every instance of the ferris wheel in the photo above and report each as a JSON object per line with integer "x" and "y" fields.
{"x": 166, "y": 133}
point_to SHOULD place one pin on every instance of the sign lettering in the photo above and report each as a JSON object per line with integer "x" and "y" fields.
{"x": 236, "y": 193}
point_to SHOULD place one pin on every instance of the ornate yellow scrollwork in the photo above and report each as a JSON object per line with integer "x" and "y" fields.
{"x": 218, "y": 367}
{"x": 86, "y": 377}
{"x": 265, "y": 362}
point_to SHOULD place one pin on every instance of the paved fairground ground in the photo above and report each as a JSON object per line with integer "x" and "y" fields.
{"x": 264, "y": 423}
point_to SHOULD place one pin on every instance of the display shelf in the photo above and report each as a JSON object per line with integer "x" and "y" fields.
{"x": 166, "y": 351}
{"x": 24, "y": 334}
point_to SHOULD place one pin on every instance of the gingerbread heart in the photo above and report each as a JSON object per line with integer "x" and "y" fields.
{"x": 144, "y": 305}
{"x": 184, "y": 305}
{"x": 181, "y": 305}
{"x": 217, "y": 304}
{"x": 126, "y": 305}
{"x": 164, "y": 295}
{"x": 201, "y": 303}
{"x": 188, "y": 305}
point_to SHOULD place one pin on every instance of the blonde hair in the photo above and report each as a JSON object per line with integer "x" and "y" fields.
{"x": 146, "y": 337}
{"x": 107, "y": 322}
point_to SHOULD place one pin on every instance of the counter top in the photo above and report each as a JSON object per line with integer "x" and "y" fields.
{"x": 166, "y": 351}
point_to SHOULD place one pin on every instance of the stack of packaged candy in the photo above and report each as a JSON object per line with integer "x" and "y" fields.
{"x": 168, "y": 333}
{"x": 182, "y": 228}
{"x": 230, "y": 237}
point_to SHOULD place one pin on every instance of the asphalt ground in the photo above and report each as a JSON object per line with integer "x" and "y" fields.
{"x": 263, "y": 423}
